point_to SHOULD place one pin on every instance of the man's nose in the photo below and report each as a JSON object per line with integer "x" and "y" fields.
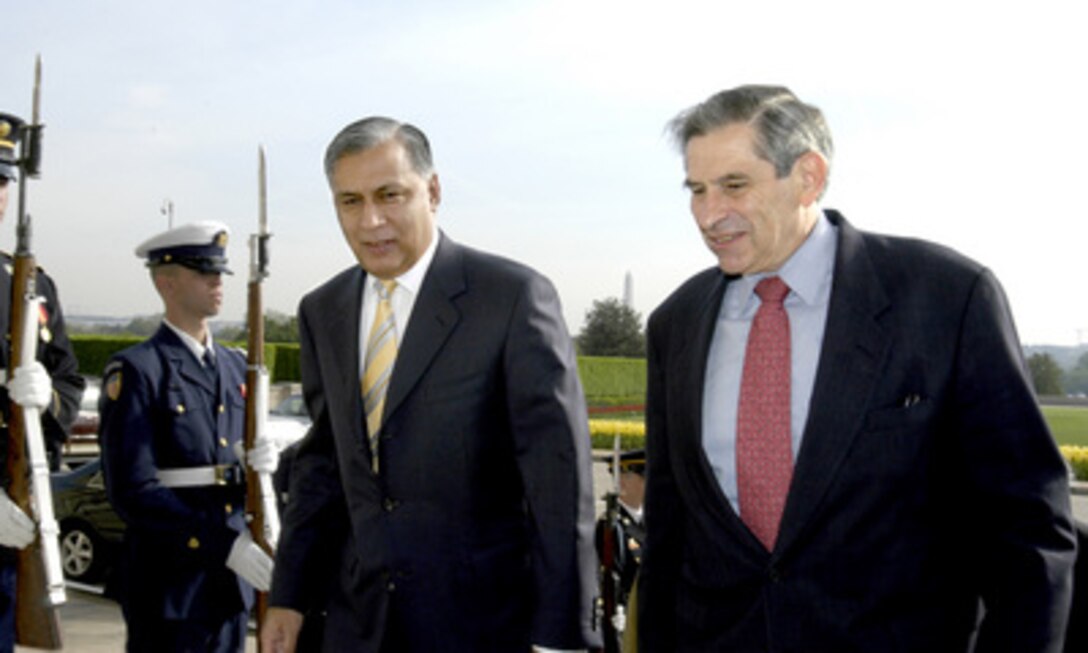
{"x": 711, "y": 207}
{"x": 371, "y": 216}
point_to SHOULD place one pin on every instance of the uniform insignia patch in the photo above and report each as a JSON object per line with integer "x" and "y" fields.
{"x": 113, "y": 385}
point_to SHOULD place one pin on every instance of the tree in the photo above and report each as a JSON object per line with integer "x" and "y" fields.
{"x": 144, "y": 325}
{"x": 277, "y": 328}
{"x": 1076, "y": 379}
{"x": 612, "y": 329}
{"x": 1045, "y": 374}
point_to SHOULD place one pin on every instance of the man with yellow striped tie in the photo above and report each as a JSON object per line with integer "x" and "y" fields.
{"x": 443, "y": 499}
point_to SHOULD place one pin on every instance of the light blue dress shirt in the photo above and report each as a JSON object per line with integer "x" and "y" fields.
{"x": 808, "y": 274}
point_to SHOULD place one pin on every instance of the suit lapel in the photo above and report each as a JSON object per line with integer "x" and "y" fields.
{"x": 339, "y": 327}
{"x": 853, "y": 354}
{"x": 433, "y": 318}
{"x": 690, "y": 371}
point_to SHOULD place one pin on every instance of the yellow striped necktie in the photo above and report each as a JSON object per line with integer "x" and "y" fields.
{"x": 381, "y": 352}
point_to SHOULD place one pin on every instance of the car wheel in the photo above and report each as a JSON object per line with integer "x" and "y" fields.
{"x": 81, "y": 552}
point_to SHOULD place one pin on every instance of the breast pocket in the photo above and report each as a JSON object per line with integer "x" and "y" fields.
{"x": 189, "y": 430}
{"x": 912, "y": 412}
{"x": 896, "y": 441}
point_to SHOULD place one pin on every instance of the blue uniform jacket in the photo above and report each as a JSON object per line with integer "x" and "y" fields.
{"x": 160, "y": 410}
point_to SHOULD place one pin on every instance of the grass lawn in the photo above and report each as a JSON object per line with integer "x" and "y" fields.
{"x": 1068, "y": 423}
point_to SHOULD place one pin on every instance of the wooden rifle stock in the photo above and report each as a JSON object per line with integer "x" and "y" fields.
{"x": 261, "y": 513}
{"x": 37, "y": 618}
{"x": 39, "y": 587}
{"x": 256, "y": 406}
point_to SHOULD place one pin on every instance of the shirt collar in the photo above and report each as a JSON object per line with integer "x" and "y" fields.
{"x": 192, "y": 344}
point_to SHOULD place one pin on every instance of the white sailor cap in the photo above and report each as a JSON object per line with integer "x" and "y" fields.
{"x": 201, "y": 246}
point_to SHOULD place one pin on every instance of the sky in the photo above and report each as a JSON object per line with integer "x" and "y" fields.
{"x": 961, "y": 123}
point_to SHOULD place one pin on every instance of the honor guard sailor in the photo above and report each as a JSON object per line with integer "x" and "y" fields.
{"x": 172, "y": 414}
{"x": 52, "y": 384}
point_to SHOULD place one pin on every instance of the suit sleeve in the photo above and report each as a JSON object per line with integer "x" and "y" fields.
{"x": 546, "y": 405}
{"x": 315, "y": 518}
{"x": 663, "y": 516}
{"x": 1018, "y": 480}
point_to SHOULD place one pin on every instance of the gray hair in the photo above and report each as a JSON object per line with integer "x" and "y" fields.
{"x": 364, "y": 134}
{"x": 785, "y": 127}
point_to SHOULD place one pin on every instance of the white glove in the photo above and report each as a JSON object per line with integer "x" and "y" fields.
{"x": 619, "y": 620}
{"x": 16, "y": 527}
{"x": 250, "y": 562}
{"x": 31, "y": 386}
{"x": 263, "y": 458}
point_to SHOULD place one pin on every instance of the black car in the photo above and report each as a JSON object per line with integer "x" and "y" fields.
{"x": 90, "y": 531}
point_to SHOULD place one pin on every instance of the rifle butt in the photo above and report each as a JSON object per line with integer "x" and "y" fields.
{"x": 37, "y": 622}
{"x": 37, "y": 619}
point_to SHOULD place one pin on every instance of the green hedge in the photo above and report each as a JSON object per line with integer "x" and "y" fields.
{"x": 607, "y": 381}
{"x": 613, "y": 381}
{"x": 94, "y": 351}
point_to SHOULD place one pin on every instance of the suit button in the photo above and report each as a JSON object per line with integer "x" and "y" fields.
{"x": 229, "y": 508}
{"x": 390, "y": 586}
{"x": 223, "y": 442}
{"x": 194, "y": 543}
{"x": 774, "y": 574}
{"x": 389, "y": 505}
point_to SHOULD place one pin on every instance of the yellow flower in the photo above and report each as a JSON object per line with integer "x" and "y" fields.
{"x": 1078, "y": 460}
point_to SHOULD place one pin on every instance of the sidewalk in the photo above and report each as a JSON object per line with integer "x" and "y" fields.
{"x": 90, "y": 623}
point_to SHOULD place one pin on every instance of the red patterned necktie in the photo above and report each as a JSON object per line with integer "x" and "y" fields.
{"x": 764, "y": 453}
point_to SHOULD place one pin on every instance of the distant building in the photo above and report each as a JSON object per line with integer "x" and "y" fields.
{"x": 629, "y": 291}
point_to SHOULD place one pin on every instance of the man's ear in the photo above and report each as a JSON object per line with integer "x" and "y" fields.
{"x": 812, "y": 170}
{"x": 434, "y": 191}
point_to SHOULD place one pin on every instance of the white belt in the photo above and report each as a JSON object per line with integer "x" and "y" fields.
{"x": 201, "y": 476}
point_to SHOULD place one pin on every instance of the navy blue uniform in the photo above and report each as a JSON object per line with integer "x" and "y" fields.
{"x": 55, "y": 353}
{"x": 160, "y": 410}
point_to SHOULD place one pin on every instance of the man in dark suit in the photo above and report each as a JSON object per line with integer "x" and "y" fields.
{"x": 172, "y": 421}
{"x": 451, "y": 509}
{"x": 894, "y": 488}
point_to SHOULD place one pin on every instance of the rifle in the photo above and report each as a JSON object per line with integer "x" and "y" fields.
{"x": 610, "y": 564}
{"x": 261, "y": 512}
{"x": 39, "y": 589}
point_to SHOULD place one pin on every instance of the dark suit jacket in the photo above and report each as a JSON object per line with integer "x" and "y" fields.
{"x": 926, "y": 480}
{"x": 477, "y": 535}
{"x": 161, "y": 410}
